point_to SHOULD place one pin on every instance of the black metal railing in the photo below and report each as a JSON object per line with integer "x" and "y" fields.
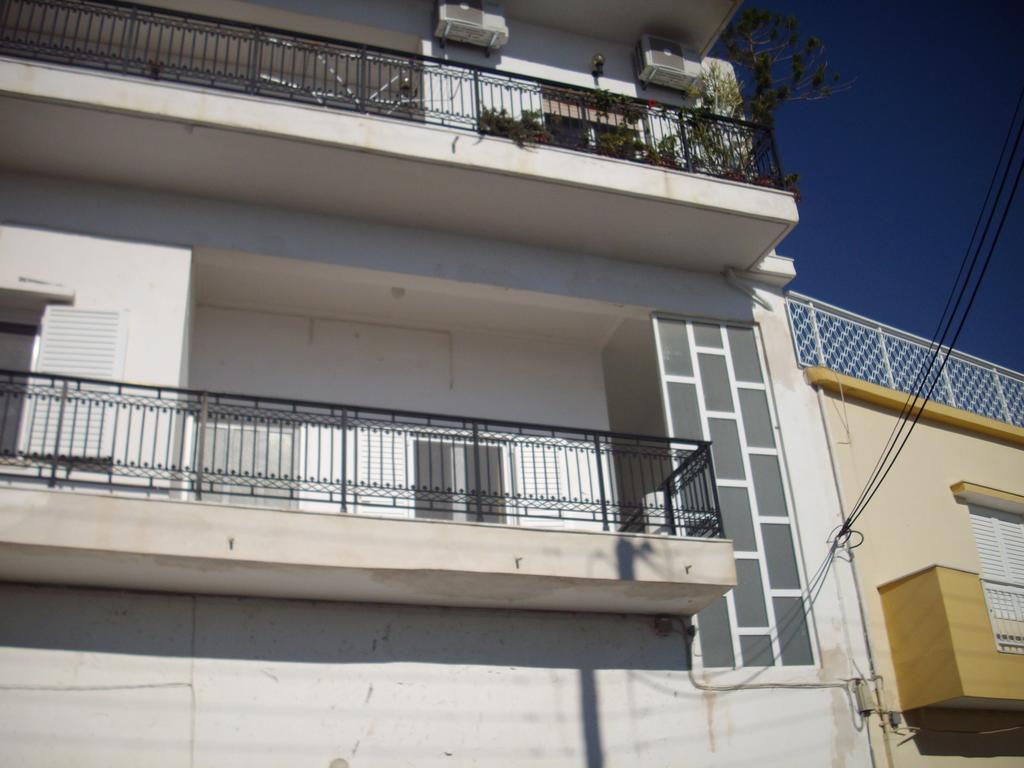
{"x": 64, "y": 431}
{"x": 244, "y": 58}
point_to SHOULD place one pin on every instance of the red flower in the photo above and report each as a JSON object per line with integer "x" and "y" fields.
{"x": 652, "y": 103}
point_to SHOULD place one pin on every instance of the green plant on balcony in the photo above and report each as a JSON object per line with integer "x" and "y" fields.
{"x": 664, "y": 153}
{"x": 624, "y": 108}
{"x": 527, "y": 128}
{"x": 621, "y": 141}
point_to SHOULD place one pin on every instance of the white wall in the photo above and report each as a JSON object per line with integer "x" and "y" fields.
{"x": 148, "y": 284}
{"x": 487, "y": 375}
{"x": 532, "y": 50}
{"x": 121, "y": 679}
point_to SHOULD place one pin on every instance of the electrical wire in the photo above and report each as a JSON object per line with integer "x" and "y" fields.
{"x": 888, "y": 458}
{"x": 935, "y": 345}
{"x": 970, "y": 303}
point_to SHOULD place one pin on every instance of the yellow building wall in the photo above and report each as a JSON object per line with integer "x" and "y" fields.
{"x": 913, "y": 523}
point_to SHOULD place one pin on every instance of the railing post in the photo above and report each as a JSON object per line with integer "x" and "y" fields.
{"x": 254, "y": 63}
{"x": 344, "y": 460}
{"x": 204, "y": 413}
{"x": 775, "y": 157}
{"x": 477, "y": 100}
{"x": 670, "y": 515}
{"x": 361, "y": 85}
{"x": 600, "y": 483}
{"x": 60, "y": 426}
{"x": 684, "y": 136}
{"x": 476, "y": 467}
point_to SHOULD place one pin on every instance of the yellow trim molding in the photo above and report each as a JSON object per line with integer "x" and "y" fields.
{"x": 847, "y": 386}
{"x": 972, "y": 493}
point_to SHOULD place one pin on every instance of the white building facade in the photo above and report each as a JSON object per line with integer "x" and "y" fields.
{"x": 371, "y": 398}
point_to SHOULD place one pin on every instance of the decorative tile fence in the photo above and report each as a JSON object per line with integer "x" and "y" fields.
{"x": 824, "y": 335}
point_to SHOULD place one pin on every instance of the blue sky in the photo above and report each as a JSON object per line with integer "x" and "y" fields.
{"x": 894, "y": 171}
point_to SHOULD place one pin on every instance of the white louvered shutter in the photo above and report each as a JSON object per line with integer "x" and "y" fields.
{"x": 999, "y": 537}
{"x": 82, "y": 343}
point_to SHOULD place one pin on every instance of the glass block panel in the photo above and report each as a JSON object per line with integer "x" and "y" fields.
{"x": 745, "y": 362}
{"x": 682, "y": 401}
{"x": 781, "y": 560}
{"x": 707, "y": 335}
{"x": 757, "y": 651}
{"x": 736, "y": 518}
{"x": 716, "y": 635}
{"x": 794, "y": 639}
{"x": 771, "y": 500}
{"x": 757, "y": 421}
{"x": 714, "y": 378}
{"x": 749, "y": 595}
{"x": 675, "y": 348}
{"x": 725, "y": 449}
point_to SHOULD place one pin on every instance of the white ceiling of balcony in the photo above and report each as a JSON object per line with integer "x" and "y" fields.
{"x": 695, "y": 22}
{"x": 286, "y": 286}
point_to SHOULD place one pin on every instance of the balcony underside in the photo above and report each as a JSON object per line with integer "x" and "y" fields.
{"x": 68, "y": 123}
{"x": 137, "y": 543}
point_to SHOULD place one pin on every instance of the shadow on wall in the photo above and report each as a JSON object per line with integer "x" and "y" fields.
{"x": 312, "y": 632}
{"x": 111, "y": 632}
{"x": 958, "y": 733}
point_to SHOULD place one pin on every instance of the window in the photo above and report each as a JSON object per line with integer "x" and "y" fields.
{"x": 715, "y": 388}
{"x": 254, "y": 458}
{"x": 999, "y": 538}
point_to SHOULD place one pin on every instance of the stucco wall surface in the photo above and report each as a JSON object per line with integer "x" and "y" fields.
{"x": 148, "y": 284}
{"x": 127, "y": 679}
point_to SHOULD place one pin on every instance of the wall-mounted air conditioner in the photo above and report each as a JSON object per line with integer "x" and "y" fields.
{"x": 473, "y": 22}
{"x": 666, "y": 63}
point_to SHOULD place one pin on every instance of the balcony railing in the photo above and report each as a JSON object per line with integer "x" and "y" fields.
{"x": 1006, "y": 609}
{"x": 271, "y": 63}
{"x": 317, "y": 457}
{"x": 842, "y": 341}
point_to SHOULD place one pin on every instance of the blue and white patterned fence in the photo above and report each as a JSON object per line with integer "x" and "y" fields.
{"x": 842, "y": 341}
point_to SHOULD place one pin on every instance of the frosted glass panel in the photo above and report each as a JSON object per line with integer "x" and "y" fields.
{"x": 682, "y": 401}
{"x": 793, "y": 635}
{"x": 757, "y": 422}
{"x": 745, "y": 362}
{"x": 778, "y": 549}
{"x": 750, "y": 610}
{"x": 707, "y": 335}
{"x": 714, "y": 377}
{"x": 771, "y": 501}
{"x": 675, "y": 348}
{"x": 716, "y": 635}
{"x": 736, "y": 518}
{"x": 757, "y": 651}
{"x": 725, "y": 449}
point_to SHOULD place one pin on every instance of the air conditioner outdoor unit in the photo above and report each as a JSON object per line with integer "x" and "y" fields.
{"x": 474, "y": 22}
{"x": 666, "y": 63}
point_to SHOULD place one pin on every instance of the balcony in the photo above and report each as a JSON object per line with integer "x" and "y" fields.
{"x": 956, "y": 640}
{"x": 188, "y": 490}
{"x": 707, "y": 227}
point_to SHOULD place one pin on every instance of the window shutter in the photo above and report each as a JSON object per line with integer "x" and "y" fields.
{"x": 82, "y": 342}
{"x": 999, "y": 537}
{"x": 75, "y": 342}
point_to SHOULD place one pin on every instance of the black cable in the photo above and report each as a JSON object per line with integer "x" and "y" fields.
{"x": 963, "y": 319}
{"x": 935, "y": 346}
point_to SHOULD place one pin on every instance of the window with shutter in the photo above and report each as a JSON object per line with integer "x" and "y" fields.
{"x": 999, "y": 538}
{"x": 82, "y": 343}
